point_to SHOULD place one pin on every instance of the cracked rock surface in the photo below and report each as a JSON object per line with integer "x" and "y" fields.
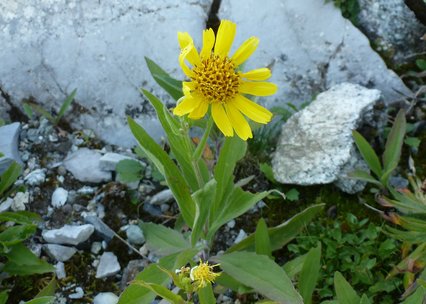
{"x": 308, "y": 54}
{"x": 97, "y": 47}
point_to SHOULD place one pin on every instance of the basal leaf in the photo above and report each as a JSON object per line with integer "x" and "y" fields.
{"x": 65, "y": 105}
{"x": 310, "y": 273}
{"x": 344, "y": 291}
{"x": 262, "y": 274}
{"x": 163, "y": 240}
{"x": 368, "y": 153}
{"x": 261, "y": 237}
{"x": 394, "y": 142}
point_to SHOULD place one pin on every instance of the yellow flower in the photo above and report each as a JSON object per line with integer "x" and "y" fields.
{"x": 217, "y": 82}
{"x": 202, "y": 274}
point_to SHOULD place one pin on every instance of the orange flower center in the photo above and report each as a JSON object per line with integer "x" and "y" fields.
{"x": 215, "y": 78}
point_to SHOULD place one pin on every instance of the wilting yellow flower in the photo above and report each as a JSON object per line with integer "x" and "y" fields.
{"x": 217, "y": 82}
{"x": 203, "y": 274}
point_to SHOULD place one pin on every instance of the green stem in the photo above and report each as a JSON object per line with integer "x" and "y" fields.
{"x": 200, "y": 148}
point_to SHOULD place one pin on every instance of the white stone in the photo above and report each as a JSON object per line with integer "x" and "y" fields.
{"x": 20, "y": 200}
{"x": 109, "y": 161}
{"x": 6, "y": 204}
{"x": 231, "y": 224}
{"x": 105, "y": 298}
{"x": 305, "y": 62}
{"x": 59, "y": 253}
{"x": 316, "y": 143}
{"x": 108, "y": 265}
{"x": 96, "y": 247}
{"x": 9, "y": 137}
{"x": 72, "y": 235}
{"x": 79, "y": 293}
{"x": 241, "y": 236}
{"x": 59, "y": 197}
{"x": 135, "y": 235}
{"x": 84, "y": 166}
{"x": 60, "y": 270}
{"x": 36, "y": 177}
{"x": 99, "y": 50}
{"x": 162, "y": 197}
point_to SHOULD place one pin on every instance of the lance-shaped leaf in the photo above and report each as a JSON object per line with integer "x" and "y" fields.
{"x": 171, "y": 85}
{"x": 262, "y": 274}
{"x": 310, "y": 273}
{"x": 344, "y": 291}
{"x": 368, "y": 153}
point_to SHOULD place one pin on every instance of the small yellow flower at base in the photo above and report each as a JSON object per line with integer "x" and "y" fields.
{"x": 203, "y": 274}
{"x": 217, "y": 83}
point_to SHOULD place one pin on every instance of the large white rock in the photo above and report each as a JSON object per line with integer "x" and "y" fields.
{"x": 9, "y": 136}
{"x": 51, "y": 47}
{"x": 72, "y": 235}
{"x": 316, "y": 144}
{"x": 84, "y": 164}
{"x": 310, "y": 47}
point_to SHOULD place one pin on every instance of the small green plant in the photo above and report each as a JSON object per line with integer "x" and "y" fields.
{"x": 350, "y": 9}
{"x": 357, "y": 249}
{"x": 15, "y": 228}
{"x": 29, "y": 107}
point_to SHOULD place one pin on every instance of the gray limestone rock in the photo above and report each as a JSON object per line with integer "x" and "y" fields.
{"x": 135, "y": 235}
{"x": 36, "y": 177}
{"x": 4, "y": 110}
{"x": 392, "y": 27}
{"x": 310, "y": 47}
{"x": 6, "y": 204}
{"x": 316, "y": 144}
{"x": 72, "y": 235}
{"x": 59, "y": 253}
{"x": 84, "y": 166}
{"x": 108, "y": 265}
{"x": 100, "y": 227}
{"x": 51, "y": 47}
{"x": 105, "y": 298}
{"x": 162, "y": 197}
{"x": 9, "y": 136}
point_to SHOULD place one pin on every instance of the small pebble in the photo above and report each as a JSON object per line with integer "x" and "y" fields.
{"x": 79, "y": 293}
{"x": 59, "y": 197}
{"x": 105, "y": 298}
{"x": 241, "y": 236}
{"x": 60, "y": 270}
{"x": 35, "y": 177}
{"x": 20, "y": 200}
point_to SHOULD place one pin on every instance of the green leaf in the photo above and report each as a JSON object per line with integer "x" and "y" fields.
{"x": 129, "y": 170}
{"x": 262, "y": 274}
{"x": 417, "y": 297}
{"x": 49, "y": 290}
{"x": 206, "y": 296}
{"x": 229, "y": 282}
{"x": 65, "y": 105}
{"x": 181, "y": 145}
{"x": 294, "y": 267}
{"x": 283, "y": 233}
{"x": 309, "y": 274}
{"x": 421, "y": 63}
{"x": 23, "y": 262}
{"x": 42, "y": 300}
{"x": 368, "y": 153}
{"x": 16, "y": 234}
{"x": 41, "y": 111}
{"x": 163, "y": 240}
{"x": 20, "y": 217}
{"x": 365, "y": 300}
{"x": 344, "y": 291}
{"x": 203, "y": 199}
{"x": 364, "y": 176}
{"x": 292, "y": 195}
{"x": 28, "y": 110}
{"x": 261, "y": 237}
{"x": 3, "y": 296}
{"x": 161, "y": 291}
{"x": 394, "y": 142}
{"x": 171, "y": 85}
{"x": 169, "y": 170}
{"x": 413, "y": 142}
{"x": 267, "y": 171}
{"x": 9, "y": 177}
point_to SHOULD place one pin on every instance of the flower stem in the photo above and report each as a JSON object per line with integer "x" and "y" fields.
{"x": 200, "y": 148}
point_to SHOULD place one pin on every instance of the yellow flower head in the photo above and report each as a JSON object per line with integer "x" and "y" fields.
{"x": 217, "y": 82}
{"x": 203, "y": 274}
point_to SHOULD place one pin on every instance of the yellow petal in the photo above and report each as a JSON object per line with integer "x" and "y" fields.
{"x": 258, "y": 74}
{"x": 245, "y": 50}
{"x": 187, "y": 87}
{"x": 221, "y": 119}
{"x": 182, "y": 56}
{"x": 258, "y": 88}
{"x": 239, "y": 123}
{"x": 199, "y": 111}
{"x": 185, "y": 105}
{"x": 251, "y": 109}
{"x": 224, "y": 38}
{"x": 208, "y": 43}
{"x": 185, "y": 40}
